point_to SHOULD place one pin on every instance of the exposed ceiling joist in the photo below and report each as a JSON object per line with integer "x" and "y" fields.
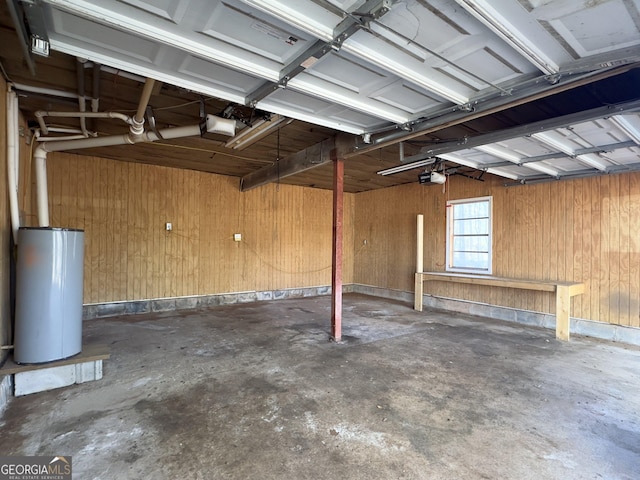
{"x": 310, "y": 157}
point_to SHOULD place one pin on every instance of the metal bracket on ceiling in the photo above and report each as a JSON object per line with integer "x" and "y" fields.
{"x": 375, "y": 12}
{"x": 553, "y": 79}
{"x": 372, "y": 9}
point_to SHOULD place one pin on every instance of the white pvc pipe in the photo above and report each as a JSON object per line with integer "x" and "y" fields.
{"x": 120, "y": 116}
{"x": 82, "y": 104}
{"x": 137, "y": 125}
{"x": 112, "y": 140}
{"x": 44, "y": 91}
{"x": 40, "y": 156}
{"x": 60, "y": 139}
{"x": 42, "y": 196}
{"x": 82, "y": 101}
{"x": 64, "y": 130}
{"x": 13, "y": 160}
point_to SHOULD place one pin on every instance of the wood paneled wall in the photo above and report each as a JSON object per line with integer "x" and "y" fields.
{"x": 123, "y": 208}
{"x": 581, "y": 230}
{"x": 5, "y": 230}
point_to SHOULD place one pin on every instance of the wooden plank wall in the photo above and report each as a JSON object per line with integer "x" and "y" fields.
{"x": 123, "y": 208}
{"x": 5, "y": 231}
{"x": 581, "y": 230}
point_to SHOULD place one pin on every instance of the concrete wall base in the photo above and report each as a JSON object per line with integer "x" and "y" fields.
{"x": 591, "y": 328}
{"x": 101, "y": 310}
{"x": 578, "y": 326}
{"x": 44, "y": 379}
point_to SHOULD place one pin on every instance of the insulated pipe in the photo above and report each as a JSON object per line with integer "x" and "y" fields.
{"x": 13, "y": 156}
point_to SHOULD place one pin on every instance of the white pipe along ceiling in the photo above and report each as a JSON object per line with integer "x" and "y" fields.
{"x": 136, "y": 134}
{"x": 382, "y": 70}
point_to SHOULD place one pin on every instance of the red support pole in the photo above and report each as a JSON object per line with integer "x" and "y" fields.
{"x": 336, "y": 269}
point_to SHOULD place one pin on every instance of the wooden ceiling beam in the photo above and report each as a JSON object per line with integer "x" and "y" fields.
{"x": 311, "y": 157}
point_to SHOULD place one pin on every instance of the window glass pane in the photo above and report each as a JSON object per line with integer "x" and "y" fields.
{"x": 470, "y": 260}
{"x": 471, "y": 227}
{"x": 471, "y": 210}
{"x": 471, "y": 244}
{"x": 469, "y": 235}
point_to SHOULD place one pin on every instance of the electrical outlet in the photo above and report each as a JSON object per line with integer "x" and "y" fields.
{"x": 237, "y": 237}
{"x": 169, "y": 226}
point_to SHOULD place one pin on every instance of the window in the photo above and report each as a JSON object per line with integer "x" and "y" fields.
{"x": 469, "y": 235}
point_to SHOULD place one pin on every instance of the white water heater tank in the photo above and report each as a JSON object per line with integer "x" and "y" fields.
{"x": 49, "y": 275}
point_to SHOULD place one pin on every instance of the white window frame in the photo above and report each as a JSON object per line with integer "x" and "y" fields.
{"x": 450, "y": 236}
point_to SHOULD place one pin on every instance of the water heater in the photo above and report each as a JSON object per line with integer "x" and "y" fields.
{"x": 49, "y": 275}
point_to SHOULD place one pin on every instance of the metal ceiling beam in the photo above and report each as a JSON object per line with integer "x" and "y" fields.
{"x": 535, "y": 89}
{"x": 629, "y": 168}
{"x": 528, "y": 129}
{"x": 311, "y": 157}
{"x": 623, "y": 56}
{"x": 582, "y": 151}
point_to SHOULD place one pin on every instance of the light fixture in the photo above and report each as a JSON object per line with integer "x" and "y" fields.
{"x": 406, "y": 166}
{"x": 511, "y": 32}
{"x": 629, "y": 125}
{"x": 261, "y": 129}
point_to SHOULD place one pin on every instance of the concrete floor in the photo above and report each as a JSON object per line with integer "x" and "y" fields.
{"x": 255, "y": 391}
